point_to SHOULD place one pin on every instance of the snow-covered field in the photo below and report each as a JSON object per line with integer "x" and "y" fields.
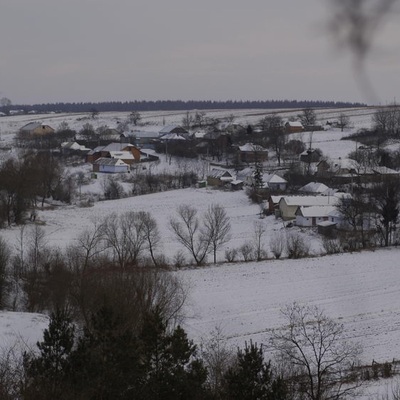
{"x": 360, "y": 290}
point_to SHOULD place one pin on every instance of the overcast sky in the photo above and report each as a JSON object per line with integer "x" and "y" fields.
{"x": 102, "y": 50}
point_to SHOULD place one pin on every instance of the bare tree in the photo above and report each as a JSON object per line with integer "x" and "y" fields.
{"x": 188, "y": 232}
{"x": 187, "y": 121}
{"x": 218, "y": 358}
{"x": 134, "y": 117}
{"x": 314, "y": 347}
{"x": 5, "y": 254}
{"x": 125, "y": 237}
{"x": 216, "y": 227}
{"x": 343, "y": 121}
{"x": 151, "y": 234}
{"x": 308, "y": 118}
{"x": 259, "y": 232}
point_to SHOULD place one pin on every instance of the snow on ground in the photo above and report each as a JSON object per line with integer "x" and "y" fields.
{"x": 361, "y": 290}
{"x": 22, "y": 329}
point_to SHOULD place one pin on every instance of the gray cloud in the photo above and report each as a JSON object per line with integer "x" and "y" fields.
{"x": 94, "y": 50}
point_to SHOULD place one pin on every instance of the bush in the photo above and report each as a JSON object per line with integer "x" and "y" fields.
{"x": 332, "y": 246}
{"x": 179, "y": 260}
{"x": 277, "y": 245}
{"x": 112, "y": 189}
{"x": 296, "y": 246}
{"x": 231, "y": 254}
{"x": 247, "y": 252}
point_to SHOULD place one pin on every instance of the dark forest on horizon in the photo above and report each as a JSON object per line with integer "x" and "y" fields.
{"x": 171, "y": 105}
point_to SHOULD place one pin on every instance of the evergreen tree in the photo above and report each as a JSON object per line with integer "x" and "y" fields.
{"x": 105, "y": 364}
{"x": 46, "y": 373}
{"x": 258, "y": 176}
{"x": 173, "y": 370}
{"x": 251, "y": 378}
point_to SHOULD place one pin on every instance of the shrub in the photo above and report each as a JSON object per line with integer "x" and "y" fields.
{"x": 277, "y": 245}
{"x": 247, "y": 252}
{"x": 332, "y": 246}
{"x": 296, "y": 246}
{"x": 231, "y": 254}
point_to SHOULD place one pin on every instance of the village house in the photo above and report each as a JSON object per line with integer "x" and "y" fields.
{"x": 141, "y": 139}
{"x": 219, "y": 177}
{"x": 288, "y": 205}
{"x": 270, "y": 181}
{"x": 293, "y": 127}
{"x": 314, "y": 187}
{"x": 173, "y": 129}
{"x": 110, "y": 165}
{"x": 36, "y": 129}
{"x": 310, "y": 156}
{"x": 311, "y": 216}
{"x": 73, "y": 148}
{"x": 115, "y": 150}
{"x": 251, "y": 153}
{"x": 272, "y": 205}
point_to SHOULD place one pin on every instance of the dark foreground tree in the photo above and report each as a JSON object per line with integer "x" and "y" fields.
{"x": 251, "y": 378}
{"x": 47, "y": 372}
{"x": 109, "y": 361}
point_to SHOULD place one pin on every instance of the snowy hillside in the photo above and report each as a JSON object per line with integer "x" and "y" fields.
{"x": 360, "y": 290}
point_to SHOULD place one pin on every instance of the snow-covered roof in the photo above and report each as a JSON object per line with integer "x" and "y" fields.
{"x": 172, "y": 136}
{"x": 326, "y": 223}
{"x": 73, "y": 146}
{"x": 250, "y": 147}
{"x": 314, "y": 187}
{"x": 276, "y": 199}
{"x": 169, "y": 128}
{"x": 297, "y": 124}
{"x": 274, "y": 178}
{"x": 385, "y": 171}
{"x": 142, "y": 134}
{"x": 116, "y": 146}
{"x": 125, "y": 155}
{"x": 220, "y": 173}
{"x": 200, "y": 134}
{"x": 110, "y": 161}
{"x": 315, "y": 211}
{"x": 309, "y": 201}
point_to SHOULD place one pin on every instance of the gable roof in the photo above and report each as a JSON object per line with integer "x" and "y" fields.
{"x": 170, "y": 128}
{"x": 314, "y": 187}
{"x": 172, "y": 136}
{"x": 274, "y": 178}
{"x": 308, "y": 201}
{"x": 31, "y": 126}
{"x": 220, "y": 173}
{"x": 124, "y": 155}
{"x": 250, "y": 147}
{"x": 296, "y": 124}
{"x": 110, "y": 161}
{"x": 315, "y": 211}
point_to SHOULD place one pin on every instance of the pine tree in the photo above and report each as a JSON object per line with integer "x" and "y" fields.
{"x": 251, "y": 378}
{"x": 105, "y": 364}
{"x": 172, "y": 368}
{"x": 46, "y": 373}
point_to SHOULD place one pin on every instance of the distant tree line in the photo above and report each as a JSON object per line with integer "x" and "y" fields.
{"x": 170, "y": 105}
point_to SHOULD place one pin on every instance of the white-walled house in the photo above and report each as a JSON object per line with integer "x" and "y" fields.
{"x": 110, "y": 165}
{"x": 288, "y": 205}
{"x": 311, "y": 216}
